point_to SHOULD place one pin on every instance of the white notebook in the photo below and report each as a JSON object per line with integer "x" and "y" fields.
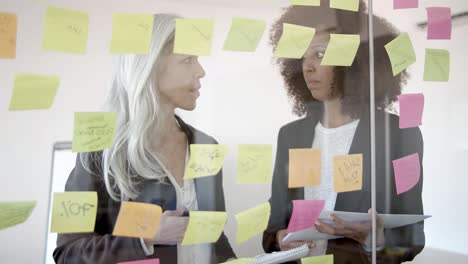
{"x": 283, "y": 256}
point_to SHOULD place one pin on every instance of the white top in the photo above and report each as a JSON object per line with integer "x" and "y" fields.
{"x": 332, "y": 142}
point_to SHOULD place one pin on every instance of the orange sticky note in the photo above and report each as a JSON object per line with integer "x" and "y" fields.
{"x": 304, "y": 167}
{"x": 8, "y": 28}
{"x": 347, "y": 173}
{"x": 137, "y": 220}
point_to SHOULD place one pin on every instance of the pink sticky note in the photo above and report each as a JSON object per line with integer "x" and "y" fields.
{"x": 411, "y": 110}
{"x": 145, "y": 261}
{"x": 305, "y": 213}
{"x": 402, "y": 4}
{"x": 407, "y": 172}
{"x": 439, "y": 23}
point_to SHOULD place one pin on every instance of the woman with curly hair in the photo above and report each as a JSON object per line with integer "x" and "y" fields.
{"x": 335, "y": 104}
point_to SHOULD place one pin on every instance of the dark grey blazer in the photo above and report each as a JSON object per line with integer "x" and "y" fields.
{"x": 402, "y": 244}
{"x": 102, "y": 247}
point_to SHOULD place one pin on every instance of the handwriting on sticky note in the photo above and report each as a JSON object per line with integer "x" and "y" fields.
{"x": 403, "y": 4}
{"x": 240, "y": 261}
{"x": 305, "y": 167}
{"x": 252, "y": 222}
{"x": 74, "y": 212}
{"x": 15, "y": 213}
{"x": 137, "y": 219}
{"x": 205, "y": 160}
{"x": 65, "y": 30}
{"x": 245, "y": 34}
{"x": 411, "y": 109}
{"x": 407, "y": 172}
{"x": 326, "y": 259}
{"x": 439, "y": 23}
{"x": 401, "y": 53}
{"x": 305, "y": 2}
{"x": 146, "y": 261}
{"x": 294, "y": 41}
{"x": 341, "y": 50}
{"x": 204, "y": 227}
{"x": 305, "y": 213}
{"x": 93, "y": 131}
{"x": 33, "y": 91}
{"x": 131, "y": 33}
{"x": 254, "y": 164}
{"x": 350, "y": 5}
{"x": 8, "y": 30}
{"x": 347, "y": 173}
{"x": 437, "y": 65}
{"x": 193, "y": 36}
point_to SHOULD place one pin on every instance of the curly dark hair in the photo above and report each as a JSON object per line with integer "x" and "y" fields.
{"x": 351, "y": 83}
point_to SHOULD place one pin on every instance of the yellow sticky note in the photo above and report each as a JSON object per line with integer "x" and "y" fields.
{"x": 131, "y": 33}
{"x": 401, "y": 53}
{"x": 33, "y": 91}
{"x": 204, "y": 227}
{"x": 15, "y": 213}
{"x": 254, "y": 164}
{"x": 193, "y": 36}
{"x": 305, "y": 167}
{"x": 252, "y": 222}
{"x": 137, "y": 220}
{"x": 240, "y": 261}
{"x": 245, "y": 34}
{"x": 347, "y": 173}
{"x": 93, "y": 131}
{"x": 205, "y": 160}
{"x": 326, "y": 259}
{"x": 74, "y": 212}
{"x": 65, "y": 30}
{"x": 350, "y": 5}
{"x": 437, "y": 65}
{"x": 305, "y": 2}
{"x": 294, "y": 41}
{"x": 341, "y": 50}
{"x": 8, "y": 28}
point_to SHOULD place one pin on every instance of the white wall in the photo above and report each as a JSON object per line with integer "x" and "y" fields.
{"x": 242, "y": 101}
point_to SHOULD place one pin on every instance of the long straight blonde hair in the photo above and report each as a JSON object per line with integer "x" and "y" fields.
{"x": 133, "y": 96}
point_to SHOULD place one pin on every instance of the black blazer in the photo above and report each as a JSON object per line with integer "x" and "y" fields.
{"x": 401, "y": 244}
{"x": 102, "y": 247}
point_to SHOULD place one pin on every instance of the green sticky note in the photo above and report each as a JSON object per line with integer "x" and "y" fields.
{"x": 205, "y": 160}
{"x": 254, "y": 164}
{"x": 74, "y": 212}
{"x": 245, "y": 34}
{"x": 437, "y": 65}
{"x": 204, "y": 227}
{"x": 341, "y": 50}
{"x": 350, "y": 5}
{"x": 401, "y": 53}
{"x": 193, "y": 36}
{"x": 65, "y": 30}
{"x": 32, "y": 91}
{"x": 93, "y": 131}
{"x": 252, "y": 222}
{"x": 326, "y": 259}
{"x": 305, "y": 2}
{"x": 294, "y": 41}
{"x": 15, "y": 213}
{"x": 240, "y": 261}
{"x": 131, "y": 33}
